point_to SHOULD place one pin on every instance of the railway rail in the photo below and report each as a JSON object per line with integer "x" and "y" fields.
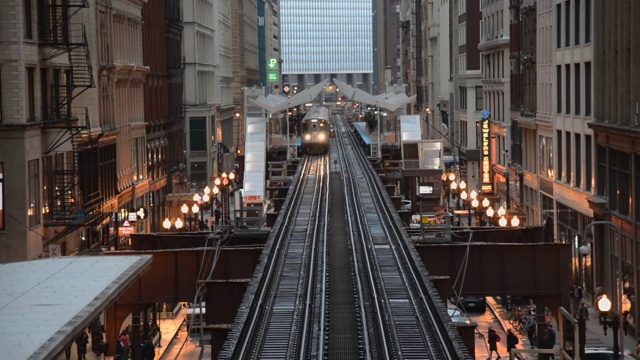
{"x": 357, "y": 287}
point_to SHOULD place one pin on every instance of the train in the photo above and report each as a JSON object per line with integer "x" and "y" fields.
{"x": 316, "y": 130}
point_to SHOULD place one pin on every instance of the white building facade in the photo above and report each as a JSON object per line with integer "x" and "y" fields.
{"x": 200, "y": 91}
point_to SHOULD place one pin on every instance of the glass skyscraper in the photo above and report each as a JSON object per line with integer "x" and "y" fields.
{"x": 326, "y": 36}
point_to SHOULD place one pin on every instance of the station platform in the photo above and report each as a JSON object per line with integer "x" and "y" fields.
{"x": 368, "y": 137}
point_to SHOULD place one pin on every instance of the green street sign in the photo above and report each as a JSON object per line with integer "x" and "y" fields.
{"x": 272, "y": 76}
{"x": 272, "y": 64}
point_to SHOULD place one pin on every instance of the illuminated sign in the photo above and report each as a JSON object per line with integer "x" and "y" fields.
{"x": 485, "y": 156}
{"x": 272, "y": 64}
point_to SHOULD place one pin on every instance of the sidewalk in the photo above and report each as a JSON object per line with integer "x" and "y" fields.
{"x": 594, "y": 331}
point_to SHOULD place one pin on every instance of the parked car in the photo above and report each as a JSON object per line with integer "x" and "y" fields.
{"x": 472, "y": 304}
{"x": 600, "y": 353}
{"x": 456, "y": 315}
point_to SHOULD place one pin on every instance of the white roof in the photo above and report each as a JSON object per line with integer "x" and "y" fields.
{"x": 45, "y": 303}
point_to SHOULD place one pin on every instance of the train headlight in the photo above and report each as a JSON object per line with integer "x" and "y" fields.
{"x": 307, "y": 136}
{"x": 321, "y": 137}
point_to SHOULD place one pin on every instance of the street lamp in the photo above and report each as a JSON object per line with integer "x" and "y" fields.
{"x": 618, "y": 288}
{"x": 194, "y": 210}
{"x": 223, "y": 183}
{"x": 584, "y": 250}
{"x": 604, "y": 305}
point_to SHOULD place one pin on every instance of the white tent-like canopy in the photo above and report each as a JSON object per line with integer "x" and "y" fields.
{"x": 390, "y": 101}
{"x": 274, "y": 104}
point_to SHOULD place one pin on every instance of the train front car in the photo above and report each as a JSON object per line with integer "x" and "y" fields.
{"x": 315, "y": 131}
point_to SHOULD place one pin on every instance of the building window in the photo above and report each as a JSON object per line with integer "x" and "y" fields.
{"x": 33, "y": 210}
{"x": 567, "y": 23}
{"x": 567, "y": 154}
{"x": 576, "y": 21}
{"x": 576, "y": 68}
{"x": 463, "y": 97}
{"x": 619, "y": 182}
{"x": 601, "y": 183}
{"x": 28, "y": 17}
{"x": 199, "y": 173}
{"x": 577, "y": 143}
{"x": 559, "y": 152}
{"x": 197, "y": 134}
{"x": 587, "y": 21}
{"x": 587, "y": 89}
{"x": 546, "y": 157}
{"x": 463, "y": 133}
{"x": 44, "y": 93}
{"x": 479, "y": 98}
{"x": 30, "y": 96}
{"x": 558, "y": 26}
{"x": 47, "y": 189}
{"x": 567, "y": 87}
{"x": 558, "y": 88}
{"x": 588, "y": 176}
{"x": 1, "y": 196}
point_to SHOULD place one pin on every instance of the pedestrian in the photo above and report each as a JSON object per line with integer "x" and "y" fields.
{"x": 576, "y": 297}
{"x": 530, "y": 327}
{"x": 126, "y": 345}
{"x": 81, "y": 343}
{"x": 216, "y": 213}
{"x": 67, "y": 351}
{"x": 548, "y": 341}
{"x": 583, "y": 313}
{"x": 148, "y": 350}
{"x": 119, "y": 350}
{"x": 512, "y": 341}
{"x": 206, "y": 225}
{"x": 493, "y": 340}
{"x": 96, "y": 337}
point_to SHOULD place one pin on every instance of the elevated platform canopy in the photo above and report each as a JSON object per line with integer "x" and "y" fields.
{"x": 273, "y": 103}
{"x": 390, "y": 101}
{"x": 44, "y": 304}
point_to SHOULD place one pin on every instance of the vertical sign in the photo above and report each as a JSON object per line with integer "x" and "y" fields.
{"x": 272, "y": 70}
{"x": 485, "y": 153}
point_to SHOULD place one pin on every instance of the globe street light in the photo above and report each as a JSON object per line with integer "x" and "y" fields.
{"x": 618, "y": 288}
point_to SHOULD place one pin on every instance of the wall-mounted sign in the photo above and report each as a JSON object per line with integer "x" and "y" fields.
{"x": 485, "y": 156}
{"x": 272, "y": 76}
{"x": 142, "y": 213}
{"x": 272, "y": 64}
{"x": 125, "y": 229}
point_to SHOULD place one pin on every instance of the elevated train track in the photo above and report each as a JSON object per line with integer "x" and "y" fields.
{"x": 303, "y": 304}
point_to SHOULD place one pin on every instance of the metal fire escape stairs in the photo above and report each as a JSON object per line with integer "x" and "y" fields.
{"x": 75, "y": 198}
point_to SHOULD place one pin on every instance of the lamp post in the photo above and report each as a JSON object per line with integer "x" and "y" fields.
{"x": 167, "y": 224}
{"x": 618, "y": 289}
{"x": 584, "y": 250}
{"x": 194, "y": 213}
{"x": 223, "y": 185}
{"x": 604, "y": 305}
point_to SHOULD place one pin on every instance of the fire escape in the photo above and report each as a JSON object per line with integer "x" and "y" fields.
{"x": 74, "y": 196}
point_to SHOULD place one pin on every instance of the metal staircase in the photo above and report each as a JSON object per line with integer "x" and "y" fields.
{"x": 76, "y": 198}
